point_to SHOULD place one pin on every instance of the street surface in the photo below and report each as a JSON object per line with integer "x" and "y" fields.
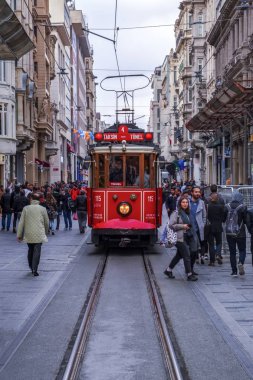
{"x": 212, "y": 318}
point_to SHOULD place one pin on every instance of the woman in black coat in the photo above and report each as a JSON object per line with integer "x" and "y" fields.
{"x": 81, "y": 208}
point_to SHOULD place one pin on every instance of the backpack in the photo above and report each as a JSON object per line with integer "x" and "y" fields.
{"x": 71, "y": 203}
{"x": 232, "y": 226}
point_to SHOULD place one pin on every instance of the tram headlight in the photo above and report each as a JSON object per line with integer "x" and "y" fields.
{"x": 124, "y": 208}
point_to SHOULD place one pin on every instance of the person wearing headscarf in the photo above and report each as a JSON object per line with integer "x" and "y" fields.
{"x": 235, "y": 231}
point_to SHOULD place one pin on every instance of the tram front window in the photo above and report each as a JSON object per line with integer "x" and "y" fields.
{"x": 116, "y": 171}
{"x": 132, "y": 170}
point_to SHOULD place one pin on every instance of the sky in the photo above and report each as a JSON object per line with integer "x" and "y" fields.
{"x": 139, "y": 51}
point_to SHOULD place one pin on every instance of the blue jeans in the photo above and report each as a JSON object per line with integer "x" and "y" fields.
{"x": 8, "y": 215}
{"x": 241, "y": 244}
{"x": 217, "y": 238}
{"x": 51, "y": 225}
{"x": 67, "y": 218}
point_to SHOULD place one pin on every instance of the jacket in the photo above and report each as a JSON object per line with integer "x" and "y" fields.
{"x": 216, "y": 215}
{"x": 249, "y": 220}
{"x": 6, "y": 203}
{"x": 81, "y": 203}
{"x": 201, "y": 217}
{"x": 20, "y": 201}
{"x": 34, "y": 224}
{"x": 176, "y": 224}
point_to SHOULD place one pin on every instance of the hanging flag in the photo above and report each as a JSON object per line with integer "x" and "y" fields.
{"x": 91, "y": 136}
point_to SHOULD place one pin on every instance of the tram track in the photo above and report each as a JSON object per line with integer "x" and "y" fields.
{"x": 75, "y": 354}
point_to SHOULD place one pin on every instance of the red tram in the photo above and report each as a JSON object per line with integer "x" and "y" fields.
{"x": 124, "y": 193}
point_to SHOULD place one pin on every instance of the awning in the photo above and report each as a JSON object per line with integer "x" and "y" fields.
{"x": 70, "y": 148}
{"x": 14, "y": 41}
{"x": 228, "y": 104}
{"x": 45, "y": 164}
{"x": 214, "y": 143}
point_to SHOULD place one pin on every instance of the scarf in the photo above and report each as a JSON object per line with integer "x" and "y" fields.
{"x": 187, "y": 219}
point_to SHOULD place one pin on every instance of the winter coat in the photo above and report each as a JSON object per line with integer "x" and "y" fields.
{"x": 171, "y": 202}
{"x": 6, "y": 203}
{"x": 34, "y": 224}
{"x": 249, "y": 220}
{"x": 176, "y": 224}
{"x": 201, "y": 217}
{"x": 20, "y": 201}
{"x": 237, "y": 199}
{"x": 216, "y": 215}
{"x": 81, "y": 203}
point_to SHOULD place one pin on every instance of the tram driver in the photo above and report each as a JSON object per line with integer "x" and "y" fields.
{"x": 116, "y": 172}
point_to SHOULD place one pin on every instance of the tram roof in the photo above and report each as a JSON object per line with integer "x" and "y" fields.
{"x": 128, "y": 148}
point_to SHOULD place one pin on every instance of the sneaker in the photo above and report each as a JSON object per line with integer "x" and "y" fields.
{"x": 169, "y": 273}
{"x": 192, "y": 278}
{"x": 35, "y": 274}
{"x": 206, "y": 256}
{"x": 234, "y": 274}
{"x": 52, "y": 232}
{"x": 241, "y": 269}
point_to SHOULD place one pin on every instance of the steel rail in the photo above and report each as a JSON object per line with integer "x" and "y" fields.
{"x": 72, "y": 369}
{"x": 169, "y": 353}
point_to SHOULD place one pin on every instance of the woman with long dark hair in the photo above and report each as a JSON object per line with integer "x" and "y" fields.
{"x": 187, "y": 241}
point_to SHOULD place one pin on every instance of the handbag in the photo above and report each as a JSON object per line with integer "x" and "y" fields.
{"x": 171, "y": 237}
{"x": 75, "y": 216}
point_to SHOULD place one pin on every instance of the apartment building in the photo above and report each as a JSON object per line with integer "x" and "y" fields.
{"x": 227, "y": 117}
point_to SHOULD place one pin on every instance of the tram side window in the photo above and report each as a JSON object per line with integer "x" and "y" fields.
{"x": 101, "y": 180}
{"x": 132, "y": 171}
{"x": 146, "y": 171}
{"x": 116, "y": 171}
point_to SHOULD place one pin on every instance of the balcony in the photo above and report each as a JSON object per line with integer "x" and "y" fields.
{"x": 14, "y": 41}
{"x": 51, "y": 148}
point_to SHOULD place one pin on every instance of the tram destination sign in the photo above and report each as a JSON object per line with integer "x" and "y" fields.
{"x": 124, "y": 134}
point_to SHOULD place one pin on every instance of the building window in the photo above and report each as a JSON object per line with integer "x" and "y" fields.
{"x": 158, "y": 113}
{"x": 3, "y": 119}
{"x": 175, "y": 75}
{"x": 189, "y": 21}
{"x": 175, "y": 103}
{"x": 199, "y": 68}
{"x": 2, "y": 71}
{"x": 189, "y": 91}
{"x": 159, "y": 93}
{"x": 200, "y": 25}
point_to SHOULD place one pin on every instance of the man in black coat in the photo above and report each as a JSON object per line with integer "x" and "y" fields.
{"x": 216, "y": 215}
{"x": 81, "y": 208}
{"x": 6, "y": 209}
{"x": 249, "y": 224}
{"x": 171, "y": 201}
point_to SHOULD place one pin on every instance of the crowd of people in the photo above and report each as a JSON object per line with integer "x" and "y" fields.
{"x": 198, "y": 223}
{"x": 43, "y": 216}
{"x": 58, "y": 199}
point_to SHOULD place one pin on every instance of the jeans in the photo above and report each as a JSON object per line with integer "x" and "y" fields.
{"x": 183, "y": 252}
{"x": 51, "y": 225}
{"x": 8, "y": 215}
{"x": 34, "y": 251}
{"x": 67, "y": 218}
{"x": 202, "y": 244}
{"x": 217, "y": 238}
{"x": 241, "y": 244}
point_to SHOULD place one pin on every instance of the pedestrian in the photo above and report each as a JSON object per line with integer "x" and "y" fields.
{"x": 20, "y": 201}
{"x": 51, "y": 206}
{"x": 216, "y": 215}
{"x": 182, "y": 223}
{"x": 6, "y": 209}
{"x": 214, "y": 190}
{"x": 81, "y": 208}
{"x": 198, "y": 213}
{"x": 249, "y": 224}
{"x": 171, "y": 201}
{"x": 33, "y": 228}
{"x": 235, "y": 232}
{"x": 14, "y": 195}
{"x": 66, "y": 208}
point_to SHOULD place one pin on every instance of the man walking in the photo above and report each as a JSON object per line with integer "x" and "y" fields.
{"x": 32, "y": 228}
{"x": 198, "y": 213}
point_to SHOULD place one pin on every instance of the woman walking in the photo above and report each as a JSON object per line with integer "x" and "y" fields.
{"x": 51, "y": 206}
{"x": 187, "y": 240}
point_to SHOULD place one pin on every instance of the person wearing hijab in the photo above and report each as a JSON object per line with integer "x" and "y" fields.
{"x": 235, "y": 232}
